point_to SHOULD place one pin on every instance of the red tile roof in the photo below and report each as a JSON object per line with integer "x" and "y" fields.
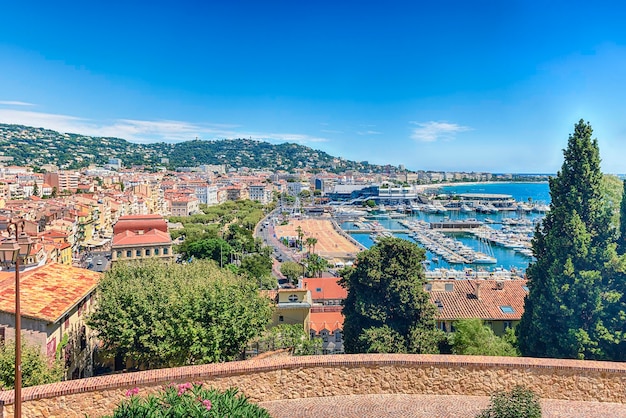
{"x": 154, "y": 236}
{"x": 325, "y": 288}
{"x": 139, "y": 222}
{"x": 326, "y": 320}
{"x": 47, "y": 292}
{"x": 457, "y": 299}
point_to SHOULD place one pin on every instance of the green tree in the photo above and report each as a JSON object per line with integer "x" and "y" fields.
{"x": 212, "y": 248}
{"x": 472, "y": 337}
{"x": 520, "y": 402}
{"x": 36, "y": 369}
{"x": 621, "y": 241}
{"x": 54, "y": 192}
{"x": 387, "y": 308}
{"x": 310, "y": 243}
{"x": 291, "y": 270}
{"x": 316, "y": 265}
{"x": 165, "y": 315}
{"x": 35, "y": 189}
{"x": 259, "y": 268}
{"x": 563, "y": 311}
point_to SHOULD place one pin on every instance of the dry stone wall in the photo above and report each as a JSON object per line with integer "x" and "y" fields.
{"x": 320, "y": 376}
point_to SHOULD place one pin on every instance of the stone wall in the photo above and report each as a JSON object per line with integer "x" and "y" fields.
{"x": 316, "y": 376}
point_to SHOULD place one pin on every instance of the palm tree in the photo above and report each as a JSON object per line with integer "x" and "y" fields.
{"x": 300, "y": 236}
{"x": 317, "y": 265}
{"x": 310, "y": 243}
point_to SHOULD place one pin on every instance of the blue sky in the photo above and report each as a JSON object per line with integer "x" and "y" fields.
{"x": 447, "y": 85}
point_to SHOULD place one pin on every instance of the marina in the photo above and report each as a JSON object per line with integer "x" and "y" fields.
{"x": 461, "y": 239}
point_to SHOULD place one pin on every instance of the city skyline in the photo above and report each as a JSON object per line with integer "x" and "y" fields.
{"x": 451, "y": 86}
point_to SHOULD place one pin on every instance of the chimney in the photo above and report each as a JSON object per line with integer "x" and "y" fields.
{"x": 477, "y": 290}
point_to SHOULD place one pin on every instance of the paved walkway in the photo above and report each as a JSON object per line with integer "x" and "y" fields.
{"x": 422, "y": 406}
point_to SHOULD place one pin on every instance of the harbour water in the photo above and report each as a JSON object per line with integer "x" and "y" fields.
{"x": 507, "y": 258}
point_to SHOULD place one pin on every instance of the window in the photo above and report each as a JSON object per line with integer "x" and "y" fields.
{"x": 165, "y": 251}
{"x": 292, "y": 298}
{"x": 2, "y": 331}
{"x": 507, "y": 325}
{"x": 66, "y": 322}
{"x": 525, "y": 288}
{"x": 138, "y": 253}
{"x": 129, "y": 254}
{"x": 51, "y": 347}
{"x": 119, "y": 254}
{"x": 507, "y": 309}
{"x": 337, "y": 336}
{"x": 319, "y": 289}
{"x": 156, "y": 251}
{"x": 281, "y": 318}
{"x": 449, "y": 287}
{"x": 147, "y": 252}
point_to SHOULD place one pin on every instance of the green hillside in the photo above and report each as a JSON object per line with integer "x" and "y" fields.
{"x": 37, "y": 146}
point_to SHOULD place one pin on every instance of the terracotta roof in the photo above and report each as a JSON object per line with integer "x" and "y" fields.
{"x": 154, "y": 236}
{"x": 325, "y": 288}
{"x": 139, "y": 222}
{"x": 326, "y": 320}
{"x": 47, "y": 292}
{"x": 499, "y": 299}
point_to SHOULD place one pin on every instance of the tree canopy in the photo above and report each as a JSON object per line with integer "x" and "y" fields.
{"x": 387, "y": 308}
{"x": 472, "y": 337}
{"x": 566, "y": 309}
{"x": 36, "y": 368}
{"x": 164, "y": 315}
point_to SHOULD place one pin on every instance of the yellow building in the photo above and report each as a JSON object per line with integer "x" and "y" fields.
{"x": 293, "y": 306}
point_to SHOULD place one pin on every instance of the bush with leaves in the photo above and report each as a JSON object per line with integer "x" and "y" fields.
{"x": 188, "y": 400}
{"x": 166, "y": 315}
{"x": 36, "y": 368}
{"x": 473, "y": 337}
{"x": 520, "y": 402}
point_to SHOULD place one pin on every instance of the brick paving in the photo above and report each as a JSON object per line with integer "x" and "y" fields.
{"x": 422, "y": 406}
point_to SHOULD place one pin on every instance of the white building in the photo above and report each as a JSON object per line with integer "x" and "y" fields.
{"x": 261, "y": 193}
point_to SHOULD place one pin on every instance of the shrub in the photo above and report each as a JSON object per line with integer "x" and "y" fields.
{"x": 188, "y": 400}
{"x": 518, "y": 403}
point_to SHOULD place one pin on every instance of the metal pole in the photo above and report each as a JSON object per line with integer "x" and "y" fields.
{"x": 12, "y": 228}
{"x": 18, "y": 341}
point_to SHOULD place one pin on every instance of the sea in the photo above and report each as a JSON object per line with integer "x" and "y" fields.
{"x": 506, "y": 258}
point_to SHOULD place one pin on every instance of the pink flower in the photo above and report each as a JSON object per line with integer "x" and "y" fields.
{"x": 131, "y": 392}
{"x": 183, "y": 387}
{"x": 207, "y": 404}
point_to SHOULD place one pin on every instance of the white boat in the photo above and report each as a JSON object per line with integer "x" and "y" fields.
{"x": 484, "y": 259}
{"x": 541, "y": 208}
{"x": 466, "y": 209}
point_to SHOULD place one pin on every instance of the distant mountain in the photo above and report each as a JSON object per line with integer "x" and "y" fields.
{"x": 37, "y": 146}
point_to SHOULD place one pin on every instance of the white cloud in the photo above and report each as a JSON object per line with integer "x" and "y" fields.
{"x": 14, "y": 103}
{"x": 436, "y": 131}
{"x": 369, "y": 133}
{"x": 144, "y": 131}
{"x": 331, "y": 131}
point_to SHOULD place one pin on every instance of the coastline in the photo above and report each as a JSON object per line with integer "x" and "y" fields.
{"x": 423, "y": 187}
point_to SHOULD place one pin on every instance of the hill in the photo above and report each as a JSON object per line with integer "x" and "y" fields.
{"x": 35, "y": 147}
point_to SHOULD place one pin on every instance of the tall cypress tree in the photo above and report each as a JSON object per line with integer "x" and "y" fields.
{"x": 614, "y": 341}
{"x": 564, "y": 309}
{"x": 621, "y": 241}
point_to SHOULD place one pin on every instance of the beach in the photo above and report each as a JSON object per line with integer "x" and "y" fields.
{"x": 331, "y": 244}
